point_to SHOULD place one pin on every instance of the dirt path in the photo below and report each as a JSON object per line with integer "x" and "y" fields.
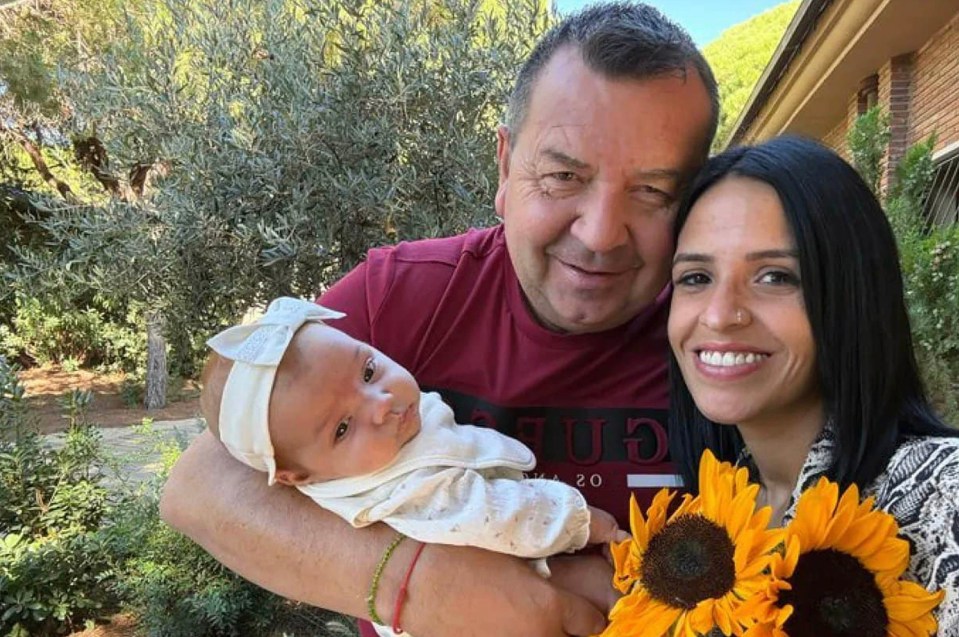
{"x": 118, "y": 626}
{"x": 46, "y": 385}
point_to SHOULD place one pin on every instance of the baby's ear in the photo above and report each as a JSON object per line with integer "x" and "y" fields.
{"x": 292, "y": 478}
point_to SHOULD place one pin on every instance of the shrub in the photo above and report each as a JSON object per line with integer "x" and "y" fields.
{"x": 76, "y": 332}
{"x": 72, "y": 552}
{"x": 52, "y": 564}
{"x": 175, "y": 588}
{"x": 52, "y": 585}
{"x": 868, "y": 139}
{"x": 929, "y": 256}
{"x": 931, "y": 272}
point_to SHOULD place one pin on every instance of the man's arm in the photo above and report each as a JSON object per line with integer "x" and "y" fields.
{"x": 284, "y": 542}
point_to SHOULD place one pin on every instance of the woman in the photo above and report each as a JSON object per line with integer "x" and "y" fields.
{"x": 791, "y": 348}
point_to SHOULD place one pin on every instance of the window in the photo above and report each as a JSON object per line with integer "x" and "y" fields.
{"x": 868, "y": 95}
{"x": 942, "y": 204}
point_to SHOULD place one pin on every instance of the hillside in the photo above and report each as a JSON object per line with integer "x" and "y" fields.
{"x": 738, "y": 57}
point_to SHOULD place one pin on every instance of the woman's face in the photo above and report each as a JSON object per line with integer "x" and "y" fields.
{"x": 738, "y": 324}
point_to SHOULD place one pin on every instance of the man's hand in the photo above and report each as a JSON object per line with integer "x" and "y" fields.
{"x": 589, "y": 576}
{"x": 469, "y": 592}
{"x": 283, "y": 541}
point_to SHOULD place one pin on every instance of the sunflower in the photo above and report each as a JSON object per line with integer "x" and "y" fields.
{"x": 688, "y": 573}
{"x": 839, "y": 574}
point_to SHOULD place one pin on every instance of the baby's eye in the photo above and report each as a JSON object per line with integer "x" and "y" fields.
{"x": 341, "y": 430}
{"x": 369, "y": 369}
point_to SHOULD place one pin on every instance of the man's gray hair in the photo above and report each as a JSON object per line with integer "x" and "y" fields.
{"x": 618, "y": 40}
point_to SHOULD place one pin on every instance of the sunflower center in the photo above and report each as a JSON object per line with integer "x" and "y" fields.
{"x": 690, "y": 560}
{"x": 834, "y": 595}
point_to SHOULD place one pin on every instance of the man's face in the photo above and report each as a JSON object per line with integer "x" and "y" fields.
{"x": 589, "y": 189}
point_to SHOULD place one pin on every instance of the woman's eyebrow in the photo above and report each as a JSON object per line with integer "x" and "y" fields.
{"x": 692, "y": 257}
{"x": 773, "y": 254}
{"x": 698, "y": 257}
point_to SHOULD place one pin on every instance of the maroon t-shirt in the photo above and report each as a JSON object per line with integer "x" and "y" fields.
{"x": 592, "y": 407}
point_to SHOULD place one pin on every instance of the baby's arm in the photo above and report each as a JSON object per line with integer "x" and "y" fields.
{"x": 527, "y": 518}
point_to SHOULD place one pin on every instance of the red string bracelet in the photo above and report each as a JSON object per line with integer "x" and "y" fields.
{"x": 401, "y": 595}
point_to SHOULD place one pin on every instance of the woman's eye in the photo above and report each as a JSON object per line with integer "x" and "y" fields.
{"x": 778, "y": 277}
{"x": 341, "y": 430}
{"x": 691, "y": 279}
{"x": 369, "y": 370}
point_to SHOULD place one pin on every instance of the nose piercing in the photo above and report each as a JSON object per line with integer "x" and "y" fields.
{"x": 740, "y": 317}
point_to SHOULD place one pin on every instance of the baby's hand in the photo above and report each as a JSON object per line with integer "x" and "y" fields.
{"x": 603, "y": 528}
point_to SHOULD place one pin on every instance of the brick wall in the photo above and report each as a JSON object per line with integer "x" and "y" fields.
{"x": 935, "y": 86}
{"x": 836, "y": 138}
{"x": 895, "y": 96}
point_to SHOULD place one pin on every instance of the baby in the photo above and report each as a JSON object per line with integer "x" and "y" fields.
{"x": 316, "y": 409}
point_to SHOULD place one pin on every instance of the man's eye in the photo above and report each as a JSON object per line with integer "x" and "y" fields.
{"x": 562, "y": 176}
{"x": 341, "y": 430}
{"x": 651, "y": 193}
{"x": 369, "y": 370}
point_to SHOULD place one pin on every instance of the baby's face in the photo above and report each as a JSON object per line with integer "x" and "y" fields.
{"x": 339, "y": 407}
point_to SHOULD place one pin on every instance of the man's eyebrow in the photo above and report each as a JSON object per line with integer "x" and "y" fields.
{"x": 564, "y": 159}
{"x": 652, "y": 173}
{"x": 660, "y": 173}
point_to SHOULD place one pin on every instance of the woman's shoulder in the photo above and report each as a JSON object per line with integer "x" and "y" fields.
{"x": 926, "y": 458}
{"x": 919, "y": 489}
{"x": 920, "y": 483}
{"x": 920, "y": 465}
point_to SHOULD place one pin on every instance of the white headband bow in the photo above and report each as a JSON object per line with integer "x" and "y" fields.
{"x": 257, "y": 350}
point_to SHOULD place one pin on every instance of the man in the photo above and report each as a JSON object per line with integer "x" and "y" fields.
{"x": 549, "y": 327}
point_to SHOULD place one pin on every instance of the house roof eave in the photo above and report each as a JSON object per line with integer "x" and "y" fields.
{"x": 799, "y": 29}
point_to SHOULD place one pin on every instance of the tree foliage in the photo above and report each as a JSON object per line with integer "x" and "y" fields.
{"x": 283, "y": 139}
{"x": 46, "y": 153}
{"x": 739, "y": 56}
{"x": 39, "y": 41}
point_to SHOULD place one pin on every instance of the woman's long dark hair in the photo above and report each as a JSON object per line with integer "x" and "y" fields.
{"x": 853, "y": 292}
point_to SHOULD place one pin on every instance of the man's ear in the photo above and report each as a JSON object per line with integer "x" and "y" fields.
{"x": 502, "y": 160}
{"x": 291, "y": 478}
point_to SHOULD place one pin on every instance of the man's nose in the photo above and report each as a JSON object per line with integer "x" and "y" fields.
{"x": 601, "y": 221}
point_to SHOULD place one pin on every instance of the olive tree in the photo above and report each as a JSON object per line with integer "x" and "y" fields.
{"x": 284, "y": 139}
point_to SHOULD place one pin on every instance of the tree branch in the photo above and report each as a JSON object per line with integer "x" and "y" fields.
{"x": 92, "y": 155}
{"x": 33, "y": 151}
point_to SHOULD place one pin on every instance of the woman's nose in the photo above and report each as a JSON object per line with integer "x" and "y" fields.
{"x": 725, "y": 309}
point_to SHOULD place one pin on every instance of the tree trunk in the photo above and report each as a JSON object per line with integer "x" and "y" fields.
{"x": 154, "y": 397}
